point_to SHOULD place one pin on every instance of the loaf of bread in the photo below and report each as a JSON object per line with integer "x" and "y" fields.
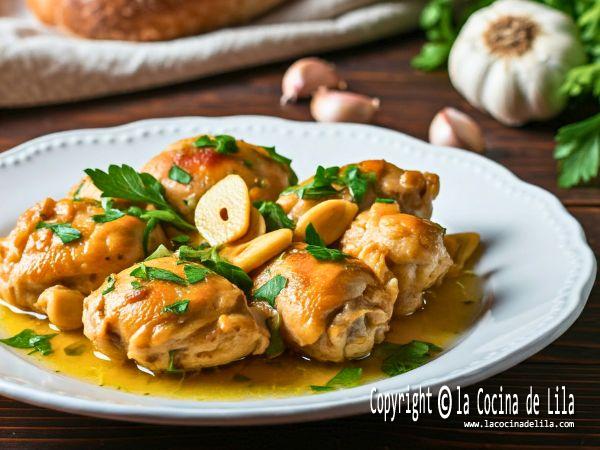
{"x": 146, "y": 20}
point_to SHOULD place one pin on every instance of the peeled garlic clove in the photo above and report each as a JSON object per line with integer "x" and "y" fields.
{"x": 258, "y": 251}
{"x": 223, "y": 212}
{"x": 257, "y": 227}
{"x": 338, "y": 106}
{"x": 330, "y": 218}
{"x": 63, "y": 306}
{"x": 305, "y": 76}
{"x": 453, "y": 128}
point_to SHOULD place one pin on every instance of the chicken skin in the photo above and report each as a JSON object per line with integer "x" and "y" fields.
{"x": 330, "y": 310}
{"x": 183, "y": 322}
{"x": 265, "y": 177}
{"x": 414, "y": 191}
{"x": 34, "y": 258}
{"x": 401, "y": 246}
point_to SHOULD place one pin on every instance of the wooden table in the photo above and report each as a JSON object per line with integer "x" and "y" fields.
{"x": 410, "y": 99}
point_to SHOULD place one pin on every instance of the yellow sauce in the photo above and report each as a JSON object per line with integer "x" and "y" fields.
{"x": 450, "y": 310}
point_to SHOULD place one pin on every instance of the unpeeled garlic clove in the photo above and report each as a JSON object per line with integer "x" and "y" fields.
{"x": 305, "y": 76}
{"x": 338, "y": 106}
{"x": 453, "y": 128}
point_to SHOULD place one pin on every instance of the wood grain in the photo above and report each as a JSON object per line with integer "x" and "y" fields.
{"x": 409, "y": 101}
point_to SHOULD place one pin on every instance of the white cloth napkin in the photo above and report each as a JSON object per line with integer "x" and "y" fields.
{"x": 38, "y": 65}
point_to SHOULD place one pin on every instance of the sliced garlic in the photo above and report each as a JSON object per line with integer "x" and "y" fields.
{"x": 330, "y": 218}
{"x": 257, "y": 227}
{"x": 305, "y": 76}
{"x": 223, "y": 212}
{"x": 453, "y": 128}
{"x": 338, "y": 106}
{"x": 255, "y": 253}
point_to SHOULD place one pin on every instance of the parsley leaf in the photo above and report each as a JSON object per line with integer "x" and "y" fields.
{"x": 172, "y": 368}
{"x": 178, "y": 174}
{"x": 274, "y": 216}
{"x": 144, "y": 272}
{"x": 384, "y": 200}
{"x": 195, "y": 274}
{"x": 150, "y": 226}
{"x": 222, "y": 143}
{"x": 403, "y": 358}
{"x": 276, "y": 345}
{"x": 312, "y": 237}
{"x": 167, "y": 216}
{"x": 293, "y": 178}
{"x": 269, "y": 291}
{"x": 160, "y": 252}
{"x": 177, "y": 308}
{"x": 30, "y": 339}
{"x": 75, "y": 349}
{"x": 181, "y": 239}
{"x": 136, "y": 284}
{"x": 578, "y": 152}
{"x": 210, "y": 258}
{"x": 583, "y": 80}
{"x": 108, "y": 216}
{"x": 320, "y": 186}
{"x": 110, "y": 285}
{"x": 65, "y": 232}
{"x": 345, "y": 378}
{"x": 437, "y": 19}
{"x": 357, "y": 181}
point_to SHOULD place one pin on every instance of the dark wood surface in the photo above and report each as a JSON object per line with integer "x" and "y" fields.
{"x": 409, "y": 101}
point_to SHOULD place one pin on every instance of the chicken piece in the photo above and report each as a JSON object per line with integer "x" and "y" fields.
{"x": 216, "y": 327}
{"x": 401, "y": 246}
{"x": 414, "y": 191}
{"x": 265, "y": 177}
{"x": 331, "y": 311}
{"x": 33, "y": 260}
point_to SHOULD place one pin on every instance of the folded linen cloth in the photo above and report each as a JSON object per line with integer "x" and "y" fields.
{"x": 39, "y": 65}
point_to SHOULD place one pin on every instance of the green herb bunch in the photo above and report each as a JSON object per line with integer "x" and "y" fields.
{"x": 577, "y": 145}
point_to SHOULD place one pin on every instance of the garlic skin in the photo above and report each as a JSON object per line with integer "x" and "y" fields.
{"x": 511, "y": 58}
{"x": 341, "y": 106}
{"x": 453, "y": 128}
{"x": 305, "y": 76}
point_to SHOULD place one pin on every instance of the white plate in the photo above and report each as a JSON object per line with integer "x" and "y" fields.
{"x": 538, "y": 266}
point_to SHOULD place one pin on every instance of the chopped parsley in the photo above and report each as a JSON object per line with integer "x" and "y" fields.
{"x": 384, "y": 200}
{"x": 181, "y": 239}
{"x": 75, "y": 349}
{"x": 316, "y": 247}
{"x": 406, "y": 357}
{"x": 160, "y": 252}
{"x": 30, "y": 339}
{"x": 293, "y": 178}
{"x": 177, "y": 308}
{"x": 148, "y": 229}
{"x": 276, "y": 345}
{"x": 136, "y": 284}
{"x": 180, "y": 175}
{"x": 222, "y": 143}
{"x": 274, "y": 216}
{"x": 108, "y": 216}
{"x": 357, "y": 181}
{"x": 110, "y": 285}
{"x": 172, "y": 368}
{"x": 65, "y": 232}
{"x": 147, "y": 273}
{"x": 269, "y": 291}
{"x": 345, "y": 378}
{"x": 195, "y": 274}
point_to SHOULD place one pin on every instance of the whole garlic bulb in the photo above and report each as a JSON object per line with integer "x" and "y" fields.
{"x": 511, "y": 58}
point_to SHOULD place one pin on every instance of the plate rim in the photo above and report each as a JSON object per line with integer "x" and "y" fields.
{"x": 329, "y": 405}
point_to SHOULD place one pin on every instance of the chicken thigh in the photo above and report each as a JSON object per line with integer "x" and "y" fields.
{"x": 265, "y": 176}
{"x": 35, "y": 258}
{"x": 401, "y": 246}
{"x": 330, "y": 310}
{"x": 171, "y": 316}
{"x": 414, "y": 191}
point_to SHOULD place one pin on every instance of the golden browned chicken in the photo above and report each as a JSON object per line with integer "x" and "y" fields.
{"x": 170, "y": 316}
{"x": 363, "y": 183}
{"x": 401, "y": 246}
{"x": 188, "y": 168}
{"x": 58, "y": 244}
{"x": 330, "y": 310}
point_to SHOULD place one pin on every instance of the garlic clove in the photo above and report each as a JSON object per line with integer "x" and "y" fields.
{"x": 453, "y": 128}
{"x": 305, "y": 76}
{"x": 338, "y": 106}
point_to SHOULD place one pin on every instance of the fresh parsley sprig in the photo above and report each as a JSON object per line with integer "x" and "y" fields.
{"x": 30, "y": 339}
{"x": 345, "y": 378}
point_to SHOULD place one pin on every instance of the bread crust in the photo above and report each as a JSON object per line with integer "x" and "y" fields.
{"x": 146, "y": 20}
